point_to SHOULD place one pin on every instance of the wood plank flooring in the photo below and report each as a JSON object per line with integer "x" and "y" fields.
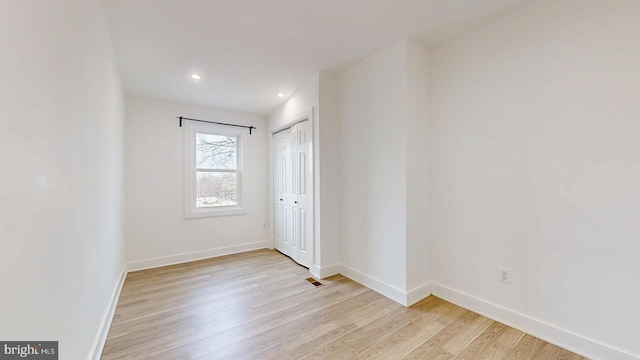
{"x": 259, "y": 305}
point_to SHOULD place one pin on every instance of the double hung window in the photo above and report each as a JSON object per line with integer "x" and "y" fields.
{"x": 213, "y": 174}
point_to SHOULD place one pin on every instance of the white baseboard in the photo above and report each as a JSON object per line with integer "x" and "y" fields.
{"x": 324, "y": 271}
{"x": 376, "y": 285}
{"x": 101, "y": 337}
{"x": 194, "y": 256}
{"x": 566, "y": 339}
{"x": 393, "y": 293}
{"x": 418, "y": 293}
{"x": 315, "y": 271}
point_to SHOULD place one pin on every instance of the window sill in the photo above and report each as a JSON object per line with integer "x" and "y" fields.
{"x": 227, "y": 211}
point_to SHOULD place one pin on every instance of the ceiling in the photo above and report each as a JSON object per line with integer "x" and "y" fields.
{"x": 249, "y": 50}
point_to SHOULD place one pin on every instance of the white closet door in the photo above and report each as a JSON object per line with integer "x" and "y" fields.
{"x": 282, "y": 192}
{"x": 293, "y": 154}
{"x": 303, "y": 193}
{"x": 293, "y": 182}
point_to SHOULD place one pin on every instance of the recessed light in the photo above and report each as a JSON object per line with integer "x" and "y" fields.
{"x": 195, "y": 76}
{"x": 280, "y": 95}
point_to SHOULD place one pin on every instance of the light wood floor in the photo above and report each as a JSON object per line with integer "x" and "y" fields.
{"x": 258, "y": 305}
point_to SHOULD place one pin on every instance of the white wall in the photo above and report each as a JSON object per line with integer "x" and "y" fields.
{"x": 329, "y": 171}
{"x": 374, "y": 187}
{"x": 383, "y": 114}
{"x": 157, "y": 232}
{"x": 533, "y": 144}
{"x": 416, "y": 151}
{"x": 305, "y": 98}
{"x": 61, "y": 185}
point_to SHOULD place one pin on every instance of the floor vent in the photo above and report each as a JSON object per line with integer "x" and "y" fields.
{"x": 314, "y": 282}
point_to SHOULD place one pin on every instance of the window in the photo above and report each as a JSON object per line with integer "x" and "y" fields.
{"x": 213, "y": 172}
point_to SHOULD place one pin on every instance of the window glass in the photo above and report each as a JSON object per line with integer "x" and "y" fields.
{"x": 216, "y": 151}
{"x": 216, "y": 189}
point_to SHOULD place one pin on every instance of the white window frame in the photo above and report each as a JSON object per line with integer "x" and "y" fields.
{"x": 190, "y": 209}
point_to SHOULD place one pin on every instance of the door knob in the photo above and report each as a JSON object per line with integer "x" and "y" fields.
{"x": 295, "y": 202}
{"x": 280, "y": 199}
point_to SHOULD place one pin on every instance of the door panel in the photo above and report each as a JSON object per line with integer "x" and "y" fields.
{"x": 293, "y": 190}
{"x": 293, "y": 175}
{"x": 303, "y": 230}
{"x": 281, "y": 183}
{"x": 304, "y": 196}
{"x": 277, "y": 182}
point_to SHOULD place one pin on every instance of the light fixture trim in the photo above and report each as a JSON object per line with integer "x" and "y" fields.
{"x": 195, "y": 76}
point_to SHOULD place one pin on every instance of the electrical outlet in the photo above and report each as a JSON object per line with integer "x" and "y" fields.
{"x": 504, "y": 275}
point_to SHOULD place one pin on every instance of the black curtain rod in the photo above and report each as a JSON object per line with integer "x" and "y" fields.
{"x": 214, "y": 122}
